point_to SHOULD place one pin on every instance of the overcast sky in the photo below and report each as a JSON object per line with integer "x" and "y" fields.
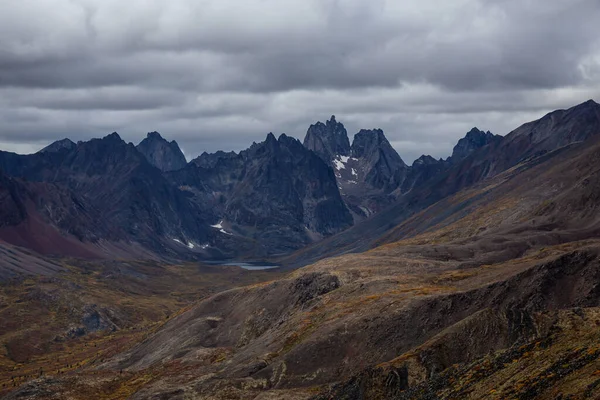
{"x": 219, "y": 74}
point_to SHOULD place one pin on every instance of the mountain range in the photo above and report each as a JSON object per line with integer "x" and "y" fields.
{"x": 274, "y": 198}
{"x": 471, "y": 277}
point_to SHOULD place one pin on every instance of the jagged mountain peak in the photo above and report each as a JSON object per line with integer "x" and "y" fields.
{"x": 589, "y": 103}
{"x": 288, "y": 140}
{"x": 113, "y": 136}
{"x": 425, "y": 160}
{"x": 166, "y": 156}
{"x": 328, "y": 139}
{"x": 154, "y": 135}
{"x": 367, "y": 141}
{"x": 473, "y": 140}
{"x": 270, "y": 138}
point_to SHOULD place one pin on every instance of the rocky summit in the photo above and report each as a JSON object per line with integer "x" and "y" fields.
{"x": 308, "y": 271}
{"x": 164, "y": 155}
{"x": 474, "y": 140}
{"x": 329, "y": 140}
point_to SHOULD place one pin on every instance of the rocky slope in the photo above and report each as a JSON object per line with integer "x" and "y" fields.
{"x": 47, "y": 219}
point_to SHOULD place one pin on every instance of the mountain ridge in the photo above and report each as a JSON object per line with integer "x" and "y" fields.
{"x": 346, "y": 194}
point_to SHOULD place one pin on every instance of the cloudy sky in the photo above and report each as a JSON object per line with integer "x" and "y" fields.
{"x": 219, "y": 74}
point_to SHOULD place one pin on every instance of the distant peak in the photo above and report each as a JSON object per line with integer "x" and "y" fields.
{"x": 372, "y": 133}
{"x": 271, "y": 137}
{"x": 475, "y": 132}
{"x": 425, "y": 160}
{"x": 164, "y": 155}
{"x": 473, "y": 140}
{"x": 154, "y": 135}
{"x": 58, "y": 146}
{"x": 286, "y": 139}
{"x": 328, "y": 140}
{"x": 114, "y": 136}
{"x": 590, "y": 104}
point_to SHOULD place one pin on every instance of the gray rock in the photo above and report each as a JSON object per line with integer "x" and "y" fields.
{"x": 381, "y": 161}
{"x": 328, "y": 139}
{"x": 164, "y": 155}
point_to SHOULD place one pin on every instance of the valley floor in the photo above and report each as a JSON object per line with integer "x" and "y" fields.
{"x": 403, "y": 321}
{"x": 83, "y": 313}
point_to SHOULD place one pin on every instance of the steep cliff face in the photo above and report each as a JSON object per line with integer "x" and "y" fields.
{"x": 378, "y": 159}
{"x": 164, "y": 155}
{"x": 367, "y": 172}
{"x": 329, "y": 140}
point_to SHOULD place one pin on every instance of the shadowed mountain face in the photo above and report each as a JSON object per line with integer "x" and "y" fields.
{"x": 531, "y": 140}
{"x": 381, "y": 161}
{"x": 47, "y": 219}
{"x": 474, "y": 140}
{"x": 273, "y": 198}
{"x": 276, "y": 192}
{"x": 166, "y": 156}
{"x": 370, "y": 173}
{"x": 328, "y": 140}
{"x": 130, "y": 194}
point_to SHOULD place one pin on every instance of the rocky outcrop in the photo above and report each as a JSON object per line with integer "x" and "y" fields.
{"x": 379, "y": 159}
{"x": 328, "y": 140}
{"x": 473, "y": 140}
{"x": 164, "y": 155}
{"x": 367, "y": 172}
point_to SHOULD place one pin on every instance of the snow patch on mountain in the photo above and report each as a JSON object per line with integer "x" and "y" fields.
{"x": 191, "y": 245}
{"x": 219, "y": 226}
{"x": 339, "y": 165}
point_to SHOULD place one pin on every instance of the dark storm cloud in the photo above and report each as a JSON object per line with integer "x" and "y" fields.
{"x": 220, "y": 74}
